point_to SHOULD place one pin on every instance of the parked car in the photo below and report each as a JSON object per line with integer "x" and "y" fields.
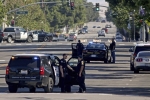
{"x": 107, "y": 26}
{"x": 61, "y": 37}
{"x": 118, "y": 39}
{"x": 71, "y": 37}
{"x": 135, "y": 50}
{"x": 55, "y": 37}
{"x": 142, "y": 61}
{"x": 31, "y": 71}
{"x": 17, "y": 34}
{"x": 101, "y": 33}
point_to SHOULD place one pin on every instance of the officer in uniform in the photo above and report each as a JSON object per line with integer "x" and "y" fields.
{"x": 79, "y": 47}
{"x": 81, "y": 74}
{"x": 63, "y": 72}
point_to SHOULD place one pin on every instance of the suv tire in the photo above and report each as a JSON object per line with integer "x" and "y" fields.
{"x": 131, "y": 67}
{"x": 136, "y": 71}
{"x": 106, "y": 61}
{"x": 12, "y": 88}
{"x": 29, "y": 39}
{"x": 9, "y": 39}
{"x": 49, "y": 87}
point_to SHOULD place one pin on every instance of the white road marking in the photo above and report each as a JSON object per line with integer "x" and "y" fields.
{"x": 18, "y": 44}
{"x": 59, "y": 43}
{"x": 8, "y": 44}
{"x": 28, "y": 44}
{"x": 121, "y": 44}
{"x": 2, "y": 60}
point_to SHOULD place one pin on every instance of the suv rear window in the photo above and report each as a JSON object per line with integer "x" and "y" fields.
{"x": 95, "y": 46}
{"x": 33, "y": 62}
{"x": 142, "y": 48}
{"x": 9, "y": 30}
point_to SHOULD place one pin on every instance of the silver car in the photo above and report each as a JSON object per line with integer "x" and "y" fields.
{"x": 142, "y": 61}
{"x": 55, "y": 38}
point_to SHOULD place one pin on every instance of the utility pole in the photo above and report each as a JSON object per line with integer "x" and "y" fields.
{"x": 134, "y": 23}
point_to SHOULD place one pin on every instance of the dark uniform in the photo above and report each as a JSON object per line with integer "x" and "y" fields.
{"x": 82, "y": 78}
{"x": 63, "y": 63}
{"x": 80, "y": 48}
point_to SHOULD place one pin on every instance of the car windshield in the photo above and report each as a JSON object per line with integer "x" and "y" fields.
{"x": 144, "y": 54}
{"x": 142, "y": 48}
{"x": 24, "y": 62}
{"x": 95, "y": 46}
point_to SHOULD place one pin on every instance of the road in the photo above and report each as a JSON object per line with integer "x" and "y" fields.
{"x": 105, "y": 81}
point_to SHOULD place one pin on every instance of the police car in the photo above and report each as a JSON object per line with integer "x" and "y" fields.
{"x": 96, "y": 51}
{"x": 139, "y": 46}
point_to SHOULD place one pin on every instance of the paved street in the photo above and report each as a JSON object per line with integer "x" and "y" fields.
{"x": 107, "y": 81}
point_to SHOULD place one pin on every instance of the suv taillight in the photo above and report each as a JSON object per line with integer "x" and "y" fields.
{"x": 139, "y": 59}
{"x": 42, "y": 70}
{"x": 7, "y": 70}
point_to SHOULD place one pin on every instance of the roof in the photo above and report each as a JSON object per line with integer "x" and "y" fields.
{"x": 30, "y": 54}
{"x": 144, "y": 52}
{"x": 142, "y": 44}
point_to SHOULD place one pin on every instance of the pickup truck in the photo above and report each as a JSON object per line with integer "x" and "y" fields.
{"x": 17, "y": 34}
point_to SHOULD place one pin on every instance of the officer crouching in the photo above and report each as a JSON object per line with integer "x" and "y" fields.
{"x": 63, "y": 73}
{"x": 81, "y": 74}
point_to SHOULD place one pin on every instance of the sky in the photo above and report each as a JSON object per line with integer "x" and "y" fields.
{"x": 102, "y": 2}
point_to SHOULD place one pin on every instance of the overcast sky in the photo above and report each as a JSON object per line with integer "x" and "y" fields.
{"x": 102, "y": 2}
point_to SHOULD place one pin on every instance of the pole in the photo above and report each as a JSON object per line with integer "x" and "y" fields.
{"x": 143, "y": 31}
{"x": 134, "y": 26}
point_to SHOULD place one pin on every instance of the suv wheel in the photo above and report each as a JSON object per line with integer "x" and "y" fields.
{"x": 9, "y": 39}
{"x": 88, "y": 61}
{"x": 49, "y": 87}
{"x": 12, "y": 88}
{"x": 32, "y": 90}
{"x": 29, "y": 39}
{"x": 46, "y": 39}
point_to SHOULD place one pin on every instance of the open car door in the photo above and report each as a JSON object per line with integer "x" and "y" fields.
{"x": 74, "y": 49}
{"x": 72, "y": 62}
{"x": 56, "y": 70}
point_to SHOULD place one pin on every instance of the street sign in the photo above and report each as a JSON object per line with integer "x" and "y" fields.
{"x": 22, "y": 12}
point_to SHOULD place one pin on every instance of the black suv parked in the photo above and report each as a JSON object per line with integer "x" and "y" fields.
{"x": 31, "y": 71}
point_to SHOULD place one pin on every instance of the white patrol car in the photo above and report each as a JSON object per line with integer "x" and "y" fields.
{"x": 142, "y": 61}
{"x": 134, "y": 52}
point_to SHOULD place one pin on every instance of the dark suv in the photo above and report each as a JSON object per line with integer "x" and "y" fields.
{"x": 31, "y": 71}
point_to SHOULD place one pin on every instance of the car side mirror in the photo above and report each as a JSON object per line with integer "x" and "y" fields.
{"x": 130, "y": 50}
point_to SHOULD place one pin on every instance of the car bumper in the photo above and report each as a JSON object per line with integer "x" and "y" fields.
{"x": 26, "y": 83}
{"x": 97, "y": 58}
{"x": 144, "y": 68}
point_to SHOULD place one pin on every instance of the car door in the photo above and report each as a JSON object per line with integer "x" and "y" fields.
{"x": 35, "y": 36}
{"x": 56, "y": 70}
{"x": 23, "y": 34}
{"x": 73, "y": 62}
{"x": 74, "y": 49}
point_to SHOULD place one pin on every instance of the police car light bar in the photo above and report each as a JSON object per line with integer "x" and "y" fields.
{"x": 96, "y": 40}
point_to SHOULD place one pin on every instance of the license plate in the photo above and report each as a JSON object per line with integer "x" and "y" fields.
{"x": 24, "y": 72}
{"x": 147, "y": 65}
{"x": 93, "y": 55}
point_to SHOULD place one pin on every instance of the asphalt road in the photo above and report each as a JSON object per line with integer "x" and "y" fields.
{"x": 105, "y": 81}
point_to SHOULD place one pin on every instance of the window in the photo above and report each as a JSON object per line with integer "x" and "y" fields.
{"x": 144, "y": 54}
{"x": 73, "y": 62}
{"x": 22, "y": 30}
{"x": 9, "y": 30}
{"x": 95, "y": 46}
{"x": 142, "y": 48}
{"x": 24, "y": 62}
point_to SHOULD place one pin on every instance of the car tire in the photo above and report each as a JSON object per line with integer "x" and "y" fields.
{"x": 29, "y": 39}
{"x": 49, "y": 87}
{"x": 131, "y": 67}
{"x": 9, "y": 39}
{"x": 136, "y": 71}
{"x": 32, "y": 90}
{"x": 106, "y": 61}
{"x": 12, "y": 88}
{"x": 46, "y": 39}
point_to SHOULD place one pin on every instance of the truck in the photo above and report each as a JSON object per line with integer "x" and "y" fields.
{"x": 16, "y": 34}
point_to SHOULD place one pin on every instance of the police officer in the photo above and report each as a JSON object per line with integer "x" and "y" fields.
{"x": 79, "y": 47}
{"x": 112, "y": 49}
{"x": 63, "y": 72}
{"x": 81, "y": 74}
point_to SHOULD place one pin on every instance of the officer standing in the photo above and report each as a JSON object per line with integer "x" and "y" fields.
{"x": 63, "y": 72}
{"x": 112, "y": 49}
{"x": 79, "y": 47}
{"x": 81, "y": 74}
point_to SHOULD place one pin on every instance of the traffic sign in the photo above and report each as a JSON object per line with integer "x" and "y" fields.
{"x": 22, "y": 12}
